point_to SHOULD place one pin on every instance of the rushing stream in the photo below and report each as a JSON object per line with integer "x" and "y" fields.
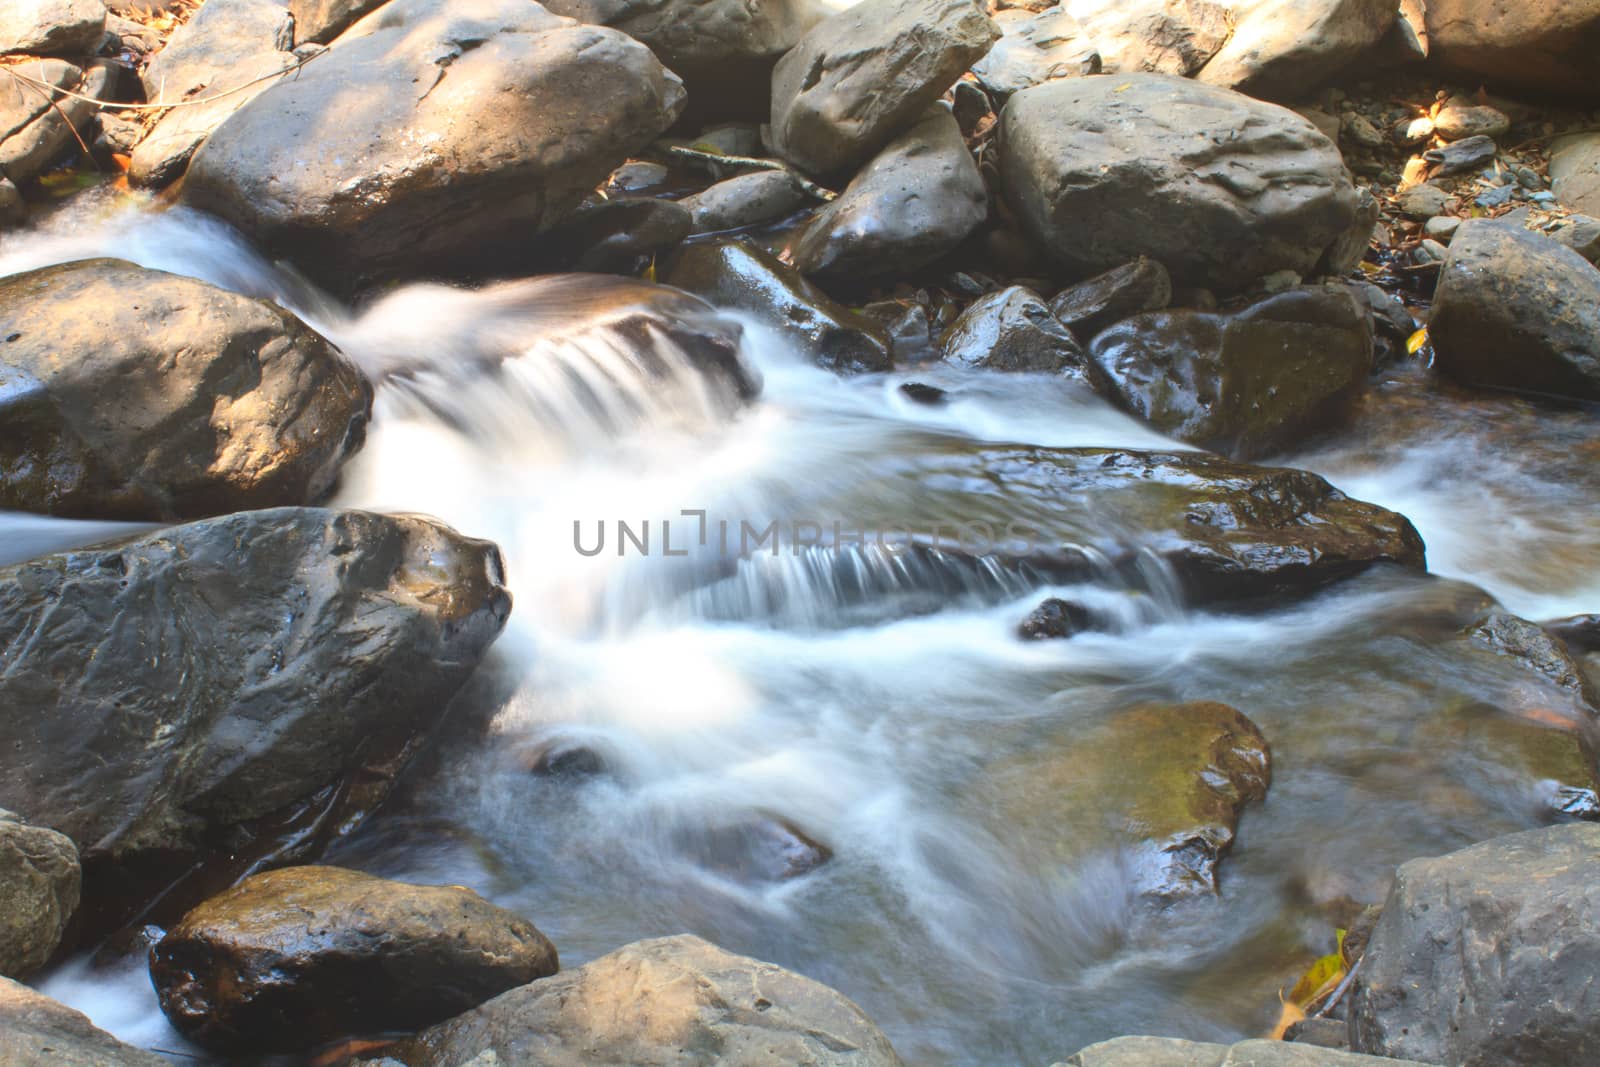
{"x": 738, "y": 710}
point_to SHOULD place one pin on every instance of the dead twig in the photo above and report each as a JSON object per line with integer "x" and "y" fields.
{"x": 694, "y": 155}
{"x": 109, "y": 105}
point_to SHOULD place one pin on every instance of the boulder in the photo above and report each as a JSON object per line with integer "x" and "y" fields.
{"x": 135, "y": 394}
{"x": 1034, "y": 48}
{"x": 321, "y": 21}
{"x": 1281, "y": 49}
{"x": 1487, "y": 956}
{"x": 914, "y": 203}
{"x": 1107, "y": 299}
{"x": 865, "y": 74}
{"x": 1516, "y": 310}
{"x": 1460, "y": 118}
{"x": 1153, "y": 36}
{"x": 1575, "y": 171}
{"x": 741, "y": 276}
{"x": 1219, "y": 188}
{"x": 1012, "y": 330}
{"x": 1547, "y": 47}
{"x": 1171, "y": 1052}
{"x": 464, "y": 128}
{"x": 39, "y": 883}
{"x": 53, "y": 27}
{"x": 1056, "y": 618}
{"x": 298, "y": 957}
{"x": 167, "y": 694}
{"x": 747, "y": 200}
{"x": 34, "y": 131}
{"x": 1246, "y": 383}
{"x": 36, "y": 1031}
{"x": 671, "y": 1002}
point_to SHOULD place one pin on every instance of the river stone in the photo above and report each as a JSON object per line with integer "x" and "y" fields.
{"x": 1012, "y": 330}
{"x": 294, "y": 958}
{"x": 1106, "y": 299}
{"x": 1541, "y": 651}
{"x": 1580, "y": 233}
{"x": 166, "y": 689}
{"x": 53, "y": 27}
{"x": 1516, "y": 310}
{"x": 33, "y": 131}
{"x": 1153, "y": 36}
{"x": 1487, "y": 956}
{"x": 866, "y": 73}
{"x": 1219, "y": 188}
{"x": 1171, "y": 1052}
{"x": 743, "y": 277}
{"x": 920, "y": 198}
{"x": 1166, "y": 781}
{"x": 1575, "y": 171}
{"x": 1460, "y": 119}
{"x": 671, "y": 1002}
{"x": 36, "y": 1031}
{"x": 748, "y": 200}
{"x": 1548, "y": 47}
{"x": 1247, "y": 383}
{"x": 1034, "y": 47}
{"x": 320, "y": 21}
{"x": 1280, "y": 49}
{"x": 1550, "y": 760}
{"x": 465, "y": 127}
{"x": 39, "y": 883}
{"x": 612, "y": 236}
{"x": 136, "y": 394}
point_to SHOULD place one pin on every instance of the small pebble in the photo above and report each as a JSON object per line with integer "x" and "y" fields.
{"x": 1499, "y": 196}
{"x": 1414, "y": 131}
{"x": 1442, "y": 227}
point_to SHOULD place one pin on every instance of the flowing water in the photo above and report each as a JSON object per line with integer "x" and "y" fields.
{"x": 859, "y": 694}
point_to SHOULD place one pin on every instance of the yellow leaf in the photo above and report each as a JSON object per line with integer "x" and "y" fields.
{"x": 1124, "y": 87}
{"x": 1327, "y": 969}
{"x": 1415, "y": 342}
{"x": 650, "y": 271}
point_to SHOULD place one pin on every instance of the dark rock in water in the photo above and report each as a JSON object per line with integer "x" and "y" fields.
{"x": 36, "y": 1031}
{"x": 1012, "y": 330}
{"x": 1474, "y": 153}
{"x": 1219, "y": 188}
{"x": 758, "y": 850}
{"x": 1392, "y": 324}
{"x": 1244, "y": 384}
{"x": 1487, "y": 956}
{"x": 1172, "y": 1052}
{"x": 290, "y": 959}
{"x": 53, "y": 27}
{"x": 39, "y": 884}
{"x": 465, "y": 128}
{"x": 1319, "y": 1033}
{"x": 662, "y": 1003}
{"x": 748, "y": 200}
{"x": 1541, "y": 651}
{"x": 168, "y": 694}
{"x": 1281, "y": 49}
{"x": 612, "y": 236}
{"x": 133, "y": 394}
{"x": 916, "y": 201}
{"x": 1549, "y": 760}
{"x": 1549, "y": 48}
{"x": 566, "y": 759}
{"x": 738, "y": 275}
{"x": 1056, "y": 618}
{"x": 931, "y": 395}
{"x": 1516, "y": 310}
{"x": 1104, "y": 300}
{"x": 866, "y": 73}
{"x": 1580, "y": 632}
{"x": 910, "y": 332}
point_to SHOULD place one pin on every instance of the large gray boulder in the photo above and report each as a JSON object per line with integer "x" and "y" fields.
{"x": 866, "y": 73}
{"x": 52, "y": 27}
{"x": 1516, "y": 310}
{"x": 920, "y": 198}
{"x": 39, "y": 884}
{"x": 434, "y": 135}
{"x": 295, "y": 958}
{"x": 671, "y": 1002}
{"x": 1548, "y": 46}
{"x": 36, "y": 1031}
{"x": 162, "y": 690}
{"x": 135, "y": 394}
{"x": 1171, "y": 1052}
{"x": 320, "y": 21}
{"x": 1034, "y": 47}
{"x": 1153, "y": 36}
{"x": 1281, "y": 49}
{"x": 34, "y": 131}
{"x": 1488, "y": 956}
{"x": 1219, "y": 188}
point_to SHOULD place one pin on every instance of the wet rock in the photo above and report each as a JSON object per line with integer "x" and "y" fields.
{"x": 1219, "y": 188}
{"x": 35, "y": 132}
{"x": 53, "y": 27}
{"x": 566, "y": 759}
{"x": 910, "y": 332}
{"x": 320, "y": 21}
{"x": 1581, "y": 234}
{"x": 1167, "y": 781}
{"x": 12, "y": 209}
{"x": 167, "y": 693}
{"x": 1154, "y": 36}
{"x": 1460, "y": 119}
{"x": 1104, "y": 300}
{"x": 39, "y": 883}
{"x": 1392, "y": 324}
{"x": 1248, "y": 383}
{"x": 1539, "y": 650}
{"x": 919, "y": 393}
{"x": 1487, "y": 955}
{"x": 1580, "y": 632}
{"x": 637, "y": 177}
{"x": 1281, "y": 49}
{"x": 1171, "y": 1052}
{"x": 612, "y": 236}
{"x": 1575, "y": 171}
{"x": 142, "y": 395}
{"x": 914, "y": 203}
{"x": 1012, "y": 330}
{"x": 1034, "y": 48}
{"x": 1516, "y": 310}
{"x": 1056, "y": 618}
{"x": 1545, "y": 47}
{"x": 1549, "y": 760}
{"x": 663, "y": 1003}
{"x": 757, "y": 850}
{"x": 739, "y": 275}
{"x": 36, "y": 1031}
{"x": 294, "y": 958}
{"x": 1460, "y": 157}
{"x": 866, "y": 73}
{"x": 748, "y": 200}
{"x": 465, "y": 128}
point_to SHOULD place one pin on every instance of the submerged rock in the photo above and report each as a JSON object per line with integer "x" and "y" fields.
{"x": 1487, "y": 956}
{"x": 134, "y": 394}
{"x": 1012, "y": 330}
{"x": 757, "y": 850}
{"x": 1280, "y": 49}
{"x": 671, "y": 1002}
{"x": 1539, "y": 650}
{"x": 295, "y": 958}
{"x": 39, "y": 884}
{"x": 1171, "y": 1052}
{"x": 1219, "y": 188}
{"x": 1056, "y": 618}
{"x": 36, "y": 1031}
{"x": 1245, "y": 384}
{"x": 1106, "y": 299}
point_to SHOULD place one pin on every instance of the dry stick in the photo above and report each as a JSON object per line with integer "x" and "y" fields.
{"x": 1339, "y": 992}
{"x": 71, "y": 128}
{"x": 106, "y": 104}
{"x": 696, "y": 156}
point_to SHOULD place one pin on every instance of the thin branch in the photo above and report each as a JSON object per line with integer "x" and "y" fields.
{"x": 694, "y": 155}
{"x": 109, "y": 105}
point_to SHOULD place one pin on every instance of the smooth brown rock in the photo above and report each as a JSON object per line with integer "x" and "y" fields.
{"x": 39, "y": 884}
{"x": 36, "y": 1031}
{"x": 1547, "y": 46}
